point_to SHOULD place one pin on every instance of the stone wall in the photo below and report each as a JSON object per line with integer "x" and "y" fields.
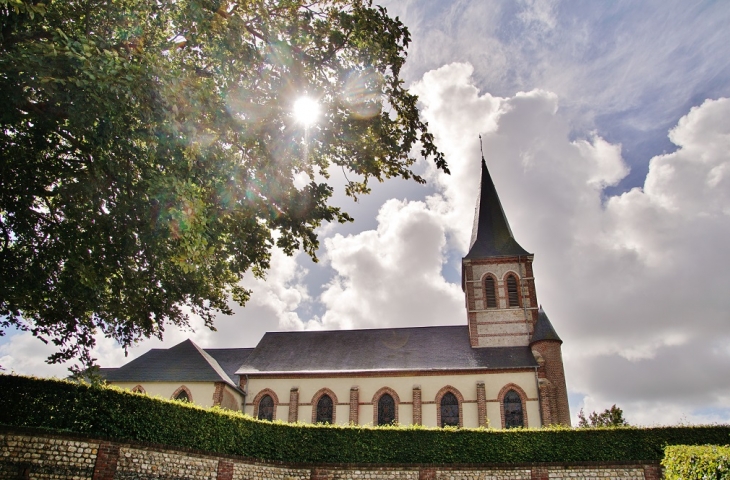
{"x": 28, "y": 454}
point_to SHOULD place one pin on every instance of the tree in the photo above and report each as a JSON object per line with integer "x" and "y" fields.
{"x": 611, "y": 417}
{"x": 149, "y": 157}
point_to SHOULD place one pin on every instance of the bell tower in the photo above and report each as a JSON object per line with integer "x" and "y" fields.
{"x": 501, "y": 303}
{"x": 496, "y": 276}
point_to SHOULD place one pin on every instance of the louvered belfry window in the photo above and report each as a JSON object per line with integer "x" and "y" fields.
{"x": 449, "y": 410}
{"x": 324, "y": 409}
{"x": 513, "y": 410}
{"x": 386, "y": 410}
{"x": 512, "y": 292}
{"x": 491, "y": 292}
{"x": 266, "y": 408}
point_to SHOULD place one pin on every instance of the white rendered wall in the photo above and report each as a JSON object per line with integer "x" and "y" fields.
{"x": 430, "y": 385}
{"x": 202, "y": 392}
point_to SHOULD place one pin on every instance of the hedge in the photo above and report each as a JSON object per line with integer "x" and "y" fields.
{"x": 112, "y": 413}
{"x": 710, "y": 462}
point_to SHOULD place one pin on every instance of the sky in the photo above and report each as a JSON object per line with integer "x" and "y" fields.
{"x": 606, "y": 128}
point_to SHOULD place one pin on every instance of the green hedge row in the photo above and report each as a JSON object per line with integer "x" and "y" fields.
{"x": 709, "y": 462}
{"x": 108, "y": 412}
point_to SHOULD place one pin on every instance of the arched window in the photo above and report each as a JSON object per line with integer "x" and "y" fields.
{"x": 266, "y": 408}
{"x": 182, "y": 396}
{"x": 513, "y": 416}
{"x": 490, "y": 290}
{"x": 513, "y": 297}
{"x": 449, "y": 410}
{"x": 386, "y": 410}
{"x": 324, "y": 409}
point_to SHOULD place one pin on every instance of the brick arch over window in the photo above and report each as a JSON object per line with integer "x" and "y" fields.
{"x": 139, "y": 389}
{"x": 489, "y": 287}
{"x": 523, "y": 398}
{"x": 315, "y": 401}
{"x": 182, "y": 389}
{"x": 512, "y": 290}
{"x": 257, "y": 400}
{"x": 376, "y": 400}
{"x": 459, "y": 398}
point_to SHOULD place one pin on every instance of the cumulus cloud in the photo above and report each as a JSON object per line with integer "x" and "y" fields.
{"x": 272, "y": 307}
{"x": 633, "y": 283}
{"x": 391, "y": 276}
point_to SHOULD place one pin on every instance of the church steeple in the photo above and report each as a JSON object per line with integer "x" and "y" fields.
{"x": 497, "y": 277}
{"x": 491, "y": 235}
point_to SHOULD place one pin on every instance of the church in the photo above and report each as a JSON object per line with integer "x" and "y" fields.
{"x": 502, "y": 369}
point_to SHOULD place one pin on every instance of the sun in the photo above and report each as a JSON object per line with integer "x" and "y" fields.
{"x": 306, "y": 111}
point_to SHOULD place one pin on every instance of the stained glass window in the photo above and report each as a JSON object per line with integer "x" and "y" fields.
{"x": 266, "y": 408}
{"x": 513, "y": 410}
{"x": 324, "y": 409}
{"x": 449, "y": 410}
{"x": 386, "y": 410}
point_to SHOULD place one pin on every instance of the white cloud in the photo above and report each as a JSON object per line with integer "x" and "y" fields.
{"x": 391, "y": 276}
{"x": 633, "y": 284}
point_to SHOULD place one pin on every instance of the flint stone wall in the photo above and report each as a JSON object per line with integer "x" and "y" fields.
{"x": 40, "y": 455}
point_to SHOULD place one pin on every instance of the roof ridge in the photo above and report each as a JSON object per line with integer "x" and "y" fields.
{"x": 366, "y": 329}
{"x": 213, "y": 363}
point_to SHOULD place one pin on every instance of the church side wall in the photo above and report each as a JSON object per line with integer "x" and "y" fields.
{"x": 464, "y": 386}
{"x": 202, "y": 392}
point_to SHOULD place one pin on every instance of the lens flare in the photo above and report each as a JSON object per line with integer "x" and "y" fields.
{"x": 306, "y": 111}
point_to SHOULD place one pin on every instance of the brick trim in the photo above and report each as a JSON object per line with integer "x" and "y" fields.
{"x": 106, "y": 461}
{"x": 417, "y": 411}
{"x": 218, "y": 393}
{"x": 294, "y": 405}
{"x": 139, "y": 389}
{"x": 481, "y": 404}
{"x": 257, "y": 400}
{"x": 354, "y": 405}
{"x": 523, "y": 398}
{"x": 389, "y": 373}
{"x": 315, "y": 401}
{"x": 181, "y": 389}
{"x": 225, "y": 470}
{"x": 459, "y": 398}
{"x": 376, "y": 400}
{"x": 653, "y": 472}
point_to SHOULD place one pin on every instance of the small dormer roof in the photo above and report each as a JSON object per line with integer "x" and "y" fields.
{"x": 544, "y": 329}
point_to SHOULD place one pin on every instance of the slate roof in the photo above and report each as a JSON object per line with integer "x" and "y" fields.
{"x": 388, "y": 349}
{"x": 491, "y": 235}
{"x": 229, "y": 358}
{"x": 185, "y": 362}
{"x": 544, "y": 329}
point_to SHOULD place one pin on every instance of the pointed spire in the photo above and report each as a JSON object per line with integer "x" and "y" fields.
{"x": 543, "y": 328}
{"x": 491, "y": 235}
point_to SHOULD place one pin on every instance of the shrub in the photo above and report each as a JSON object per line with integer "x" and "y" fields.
{"x": 709, "y": 462}
{"x": 100, "y": 411}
